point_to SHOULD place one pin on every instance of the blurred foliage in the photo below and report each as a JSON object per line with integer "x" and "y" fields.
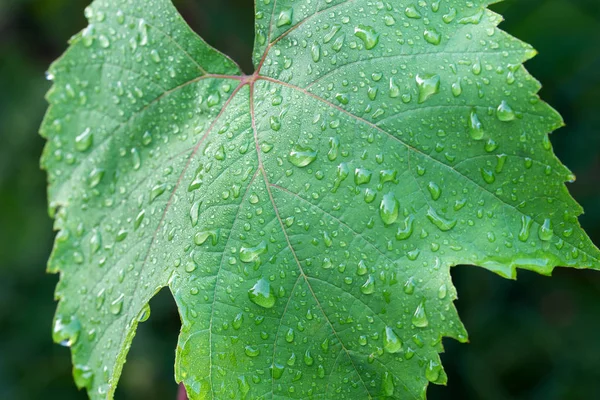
{"x": 531, "y": 339}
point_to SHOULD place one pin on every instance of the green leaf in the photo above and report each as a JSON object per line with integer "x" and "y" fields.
{"x": 305, "y": 217}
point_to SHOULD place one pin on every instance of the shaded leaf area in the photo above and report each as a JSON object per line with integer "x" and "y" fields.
{"x": 220, "y": 187}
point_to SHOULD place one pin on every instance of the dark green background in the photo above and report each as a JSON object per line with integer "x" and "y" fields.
{"x": 537, "y": 338}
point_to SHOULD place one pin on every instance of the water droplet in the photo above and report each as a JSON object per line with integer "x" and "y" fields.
{"x": 488, "y": 176}
{"x": 83, "y": 376}
{"x": 285, "y": 17}
{"x": 251, "y": 254}
{"x": 526, "y": 222}
{"x": 442, "y": 292}
{"x": 315, "y": 52}
{"x": 412, "y": 12}
{"x": 387, "y": 384}
{"x": 409, "y": 286}
{"x": 406, "y": 230}
{"x": 369, "y": 286}
{"x": 434, "y": 190}
{"x": 195, "y": 212}
{"x": 394, "y": 89}
{"x": 302, "y": 156}
{"x": 546, "y": 232}
{"x": 84, "y": 140}
{"x": 289, "y": 335}
{"x": 117, "y": 305}
{"x": 432, "y": 372}
{"x": 432, "y": 36}
{"x": 157, "y": 190}
{"x": 441, "y": 223}
{"x": 308, "y": 358}
{"x": 66, "y": 330}
{"x": 252, "y": 351}
{"x": 428, "y": 86}
{"x": 334, "y": 145}
{"x": 237, "y": 321}
{"x": 368, "y": 35}
{"x": 262, "y": 294}
{"x": 504, "y": 112}
{"x": 362, "y": 176}
{"x": 475, "y": 127}
{"x": 277, "y": 370}
{"x": 419, "y": 318}
{"x": 456, "y": 88}
{"x": 389, "y": 208}
{"x": 362, "y": 268}
{"x": 391, "y": 341}
{"x": 243, "y": 386}
{"x": 144, "y": 314}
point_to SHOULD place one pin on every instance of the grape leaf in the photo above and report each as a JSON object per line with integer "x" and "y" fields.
{"x": 305, "y": 217}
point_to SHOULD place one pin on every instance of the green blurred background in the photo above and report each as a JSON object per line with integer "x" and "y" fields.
{"x": 537, "y": 338}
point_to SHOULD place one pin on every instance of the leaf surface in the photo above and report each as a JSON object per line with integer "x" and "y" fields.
{"x": 305, "y": 217}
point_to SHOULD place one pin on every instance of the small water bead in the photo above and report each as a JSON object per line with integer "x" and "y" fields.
{"x": 342, "y": 98}
{"x": 449, "y": 17}
{"x": 334, "y": 145}
{"x": 428, "y": 86}
{"x": 301, "y": 156}
{"x": 362, "y": 268}
{"x": 262, "y": 294}
{"x": 370, "y": 195}
{"x": 252, "y": 254}
{"x": 526, "y": 222}
{"x": 315, "y": 52}
{"x": 394, "y": 89}
{"x": 504, "y": 112}
{"x": 545, "y": 231}
{"x": 432, "y": 36}
{"x": 103, "y": 41}
{"x": 391, "y": 342}
{"x": 389, "y": 209}
{"x": 419, "y": 318}
{"x": 490, "y": 145}
{"x": 367, "y": 34}
{"x": 285, "y": 17}
{"x": 84, "y": 140}
{"x": 369, "y": 286}
{"x": 157, "y": 190}
{"x": 475, "y": 126}
{"x": 275, "y": 123}
{"x": 201, "y": 237}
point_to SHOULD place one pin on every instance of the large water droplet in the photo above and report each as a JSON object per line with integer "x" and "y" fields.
{"x": 475, "y": 127}
{"x": 391, "y": 341}
{"x": 406, "y": 230}
{"x": 387, "y": 384}
{"x": 262, "y": 294}
{"x": 389, "y": 209}
{"x": 546, "y": 232}
{"x": 302, "y": 156}
{"x": 251, "y": 254}
{"x": 368, "y": 35}
{"x": 84, "y": 140}
{"x": 432, "y": 36}
{"x": 441, "y": 223}
{"x": 504, "y": 112}
{"x": 526, "y": 222}
{"x": 419, "y": 318}
{"x": 83, "y": 376}
{"x": 369, "y": 286}
{"x": 285, "y": 17}
{"x": 66, "y": 330}
{"x": 428, "y": 86}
